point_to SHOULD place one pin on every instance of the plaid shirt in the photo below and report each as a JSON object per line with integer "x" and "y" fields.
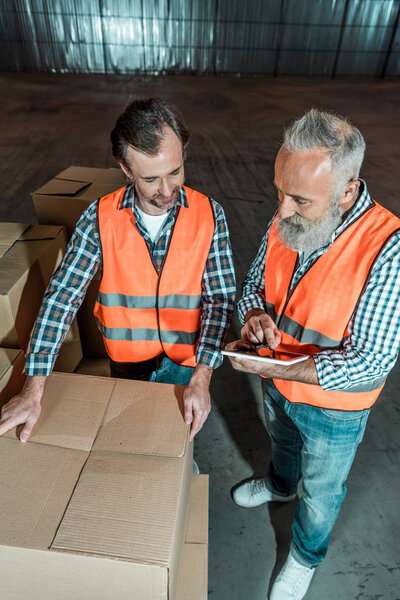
{"x": 82, "y": 260}
{"x": 371, "y": 349}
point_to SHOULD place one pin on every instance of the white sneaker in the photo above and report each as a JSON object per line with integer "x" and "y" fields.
{"x": 255, "y": 492}
{"x": 292, "y": 582}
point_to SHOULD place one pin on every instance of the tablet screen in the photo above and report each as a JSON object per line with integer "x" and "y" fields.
{"x": 274, "y": 357}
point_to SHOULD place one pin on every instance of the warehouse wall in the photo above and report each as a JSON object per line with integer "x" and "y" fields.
{"x": 245, "y": 37}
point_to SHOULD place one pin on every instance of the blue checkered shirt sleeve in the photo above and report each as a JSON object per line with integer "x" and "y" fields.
{"x": 253, "y": 287}
{"x": 371, "y": 349}
{"x": 218, "y": 294}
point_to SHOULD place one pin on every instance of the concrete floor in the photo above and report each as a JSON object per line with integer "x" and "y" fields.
{"x": 49, "y": 122}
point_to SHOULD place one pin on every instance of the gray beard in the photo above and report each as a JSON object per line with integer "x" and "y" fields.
{"x": 303, "y": 235}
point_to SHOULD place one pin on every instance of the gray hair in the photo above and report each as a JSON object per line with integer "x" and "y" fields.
{"x": 342, "y": 142}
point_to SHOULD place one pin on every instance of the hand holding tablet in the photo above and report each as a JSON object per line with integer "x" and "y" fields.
{"x": 280, "y": 356}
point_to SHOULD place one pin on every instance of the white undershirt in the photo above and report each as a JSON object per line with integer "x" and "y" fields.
{"x": 153, "y": 223}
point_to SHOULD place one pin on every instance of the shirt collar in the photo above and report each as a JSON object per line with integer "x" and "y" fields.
{"x": 362, "y": 203}
{"x": 128, "y": 200}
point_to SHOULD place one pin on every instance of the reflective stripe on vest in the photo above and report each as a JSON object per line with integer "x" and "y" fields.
{"x": 139, "y": 311}
{"x": 148, "y": 335}
{"x": 300, "y": 333}
{"x": 171, "y": 301}
{"x": 315, "y": 314}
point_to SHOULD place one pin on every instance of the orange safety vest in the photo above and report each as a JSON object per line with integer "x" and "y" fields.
{"x": 315, "y": 314}
{"x": 140, "y": 311}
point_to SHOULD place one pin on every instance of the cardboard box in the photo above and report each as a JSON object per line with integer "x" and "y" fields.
{"x": 108, "y": 522}
{"x": 62, "y": 200}
{"x": 29, "y": 255}
{"x": 12, "y": 376}
{"x": 193, "y": 579}
{"x": 197, "y": 525}
{"x": 193, "y": 575}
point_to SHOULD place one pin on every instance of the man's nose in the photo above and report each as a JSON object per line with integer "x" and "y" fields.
{"x": 286, "y": 208}
{"x": 165, "y": 188}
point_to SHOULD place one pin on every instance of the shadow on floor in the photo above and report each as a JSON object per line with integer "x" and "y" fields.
{"x": 281, "y": 516}
{"x": 239, "y": 407}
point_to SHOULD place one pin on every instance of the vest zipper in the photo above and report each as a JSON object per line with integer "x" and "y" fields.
{"x": 160, "y": 273}
{"x": 289, "y": 292}
{"x": 288, "y": 296}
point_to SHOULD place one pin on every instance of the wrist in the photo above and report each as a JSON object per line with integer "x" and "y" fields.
{"x": 34, "y": 385}
{"x": 202, "y": 375}
{"x": 253, "y": 313}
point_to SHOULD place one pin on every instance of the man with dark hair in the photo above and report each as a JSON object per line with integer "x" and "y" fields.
{"x": 141, "y": 126}
{"x": 167, "y": 289}
{"x": 325, "y": 284}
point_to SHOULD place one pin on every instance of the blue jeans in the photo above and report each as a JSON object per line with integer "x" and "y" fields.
{"x": 317, "y": 445}
{"x": 160, "y": 369}
{"x": 170, "y": 372}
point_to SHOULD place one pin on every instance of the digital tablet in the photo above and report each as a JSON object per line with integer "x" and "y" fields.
{"x": 281, "y": 358}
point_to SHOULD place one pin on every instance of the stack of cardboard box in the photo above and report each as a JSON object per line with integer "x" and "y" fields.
{"x": 29, "y": 254}
{"x": 101, "y": 502}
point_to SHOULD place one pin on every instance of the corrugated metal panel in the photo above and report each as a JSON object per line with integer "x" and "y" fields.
{"x": 393, "y": 59}
{"x": 366, "y": 37}
{"x": 310, "y": 37}
{"x": 270, "y": 37}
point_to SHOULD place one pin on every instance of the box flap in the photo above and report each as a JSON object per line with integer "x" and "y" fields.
{"x": 18, "y": 267}
{"x": 61, "y": 187}
{"x": 87, "y": 174}
{"x": 36, "y": 485}
{"x": 73, "y": 407}
{"x": 7, "y": 357}
{"x": 113, "y": 176}
{"x": 46, "y": 575}
{"x": 144, "y": 418}
{"x": 98, "y": 189}
{"x": 197, "y": 525}
{"x": 124, "y": 506}
{"x": 10, "y": 233}
{"x": 33, "y": 244}
{"x": 13, "y": 232}
{"x": 41, "y": 232}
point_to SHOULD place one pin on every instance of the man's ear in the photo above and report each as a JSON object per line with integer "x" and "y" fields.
{"x": 127, "y": 172}
{"x": 350, "y": 194}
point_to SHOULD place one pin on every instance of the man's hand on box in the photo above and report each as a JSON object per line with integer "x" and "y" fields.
{"x": 260, "y": 329}
{"x": 24, "y": 408}
{"x": 196, "y": 399}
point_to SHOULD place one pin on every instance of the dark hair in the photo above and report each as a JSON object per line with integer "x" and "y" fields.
{"x": 141, "y": 126}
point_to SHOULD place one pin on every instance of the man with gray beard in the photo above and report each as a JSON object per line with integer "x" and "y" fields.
{"x": 298, "y": 233}
{"x": 325, "y": 284}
